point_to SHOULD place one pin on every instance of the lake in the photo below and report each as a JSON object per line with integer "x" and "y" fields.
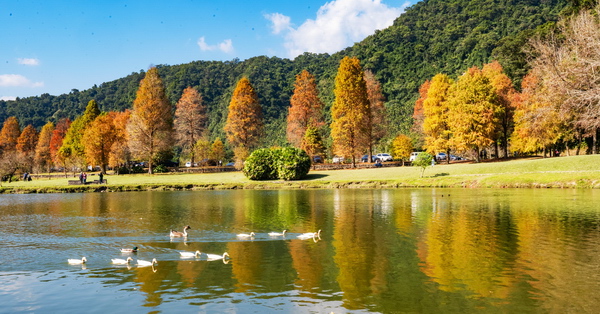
{"x": 386, "y": 251}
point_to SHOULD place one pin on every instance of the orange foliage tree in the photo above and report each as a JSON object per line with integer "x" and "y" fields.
{"x": 9, "y": 134}
{"x": 305, "y": 110}
{"x": 436, "y": 126}
{"x": 190, "y": 120}
{"x": 418, "y": 113}
{"x": 119, "y": 152}
{"x": 505, "y": 91}
{"x": 56, "y": 141}
{"x": 474, "y": 112}
{"x": 98, "y": 140}
{"x": 150, "y": 126}
{"x": 26, "y": 147}
{"x": 350, "y": 111}
{"x": 377, "y": 126}
{"x": 43, "y": 159}
{"x": 244, "y": 124}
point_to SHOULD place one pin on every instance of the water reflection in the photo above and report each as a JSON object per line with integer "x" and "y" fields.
{"x": 426, "y": 250}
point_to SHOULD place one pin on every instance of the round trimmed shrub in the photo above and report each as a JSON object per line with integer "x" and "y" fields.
{"x": 260, "y": 165}
{"x": 277, "y": 163}
{"x": 292, "y": 163}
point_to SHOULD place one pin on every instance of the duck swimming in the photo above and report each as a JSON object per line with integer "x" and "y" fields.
{"x": 174, "y": 233}
{"x": 142, "y": 263}
{"x": 277, "y": 234}
{"x": 245, "y": 235}
{"x": 309, "y": 235}
{"x": 214, "y": 257}
{"x": 134, "y": 250}
{"x": 189, "y": 254}
{"x": 121, "y": 261}
{"x": 75, "y": 261}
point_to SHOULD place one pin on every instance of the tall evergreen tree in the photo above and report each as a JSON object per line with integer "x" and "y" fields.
{"x": 150, "y": 126}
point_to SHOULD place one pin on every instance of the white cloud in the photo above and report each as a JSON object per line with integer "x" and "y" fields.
{"x": 280, "y": 22}
{"x": 7, "y": 98}
{"x": 226, "y": 46}
{"x": 338, "y": 24}
{"x": 29, "y": 61}
{"x": 16, "y": 80}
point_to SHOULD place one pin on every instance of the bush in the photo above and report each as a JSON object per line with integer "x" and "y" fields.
{"x": 292, "y": 164}
{"x": 279, "y": 163}
{"x": 260, "y": 165}
{"x": 161, "y": 169}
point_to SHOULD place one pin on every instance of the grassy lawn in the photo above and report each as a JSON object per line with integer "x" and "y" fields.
{"x": 561, "y": 172}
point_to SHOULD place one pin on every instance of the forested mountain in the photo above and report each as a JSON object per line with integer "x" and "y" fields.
{"x": 432, "y": 36}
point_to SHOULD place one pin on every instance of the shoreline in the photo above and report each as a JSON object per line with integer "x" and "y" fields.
{"x": 573, "y": 172}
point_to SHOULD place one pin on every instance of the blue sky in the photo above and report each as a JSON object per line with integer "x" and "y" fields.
{"x": 53, "y": 46}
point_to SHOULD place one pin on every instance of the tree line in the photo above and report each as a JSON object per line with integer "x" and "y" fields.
{"x": 430, "y": 37}
{"x": 556, "y": 109}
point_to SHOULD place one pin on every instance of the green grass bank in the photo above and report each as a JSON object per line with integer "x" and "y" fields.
{"x": 558, "y": 172}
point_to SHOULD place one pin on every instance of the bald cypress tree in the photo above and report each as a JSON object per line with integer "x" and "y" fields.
{"x": 244, "y": 127}
{"x": 350, "y": 111}
{"x": 150, "y": 126}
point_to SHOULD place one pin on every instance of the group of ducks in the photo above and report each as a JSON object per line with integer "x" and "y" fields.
{"x": 251, "y": 235}
{"x": 118, "y": 261}
{"x": 197, "y": 254}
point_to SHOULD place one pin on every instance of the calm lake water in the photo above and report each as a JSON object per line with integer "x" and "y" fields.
{"x": 388, "y": 251}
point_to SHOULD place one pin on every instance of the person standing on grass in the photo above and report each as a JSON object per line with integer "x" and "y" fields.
{"x": 84, "y": 178}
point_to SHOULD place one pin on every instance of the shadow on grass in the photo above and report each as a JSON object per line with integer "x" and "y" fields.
{"x": 443, "y": 174}
{"x": 315, "y": 176}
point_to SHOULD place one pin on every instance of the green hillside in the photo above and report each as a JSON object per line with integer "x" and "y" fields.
{"x": 432, "y": 36}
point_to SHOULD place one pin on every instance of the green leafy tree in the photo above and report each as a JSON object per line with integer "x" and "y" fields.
{"x": 150, "y": 126}
{"x": 73, "y": 149}
{"x": 350, "y": 111}
{"x": 423, "y": 161}
{"x": 312, "y": 142}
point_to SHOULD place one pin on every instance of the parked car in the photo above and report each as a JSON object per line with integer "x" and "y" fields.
{"x": 338, "y": 159}
{"x": 440, "y": 156}
{"x": 384, "y": 157}
{"x": 230, "y": 164}
{"x": 365, "y": 158}
{"x": 317, "y": 159}
{"x": 413, "y": 156}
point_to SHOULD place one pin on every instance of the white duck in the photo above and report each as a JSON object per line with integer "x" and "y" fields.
{"x": 121, "y": 261}
{"x": 277, "y": 234}
{"x": 189, "y": 254}
{"x": 142, "y": 263}
{"x": 74, "y": 261}
{"x": 174, "y": 233}
{"x": 245, "y": 235}
{"x": 214, "y": 257}
{"x": 308, "y": 235}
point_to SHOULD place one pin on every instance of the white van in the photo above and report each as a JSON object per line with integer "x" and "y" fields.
{"x": 414, "y": 155}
